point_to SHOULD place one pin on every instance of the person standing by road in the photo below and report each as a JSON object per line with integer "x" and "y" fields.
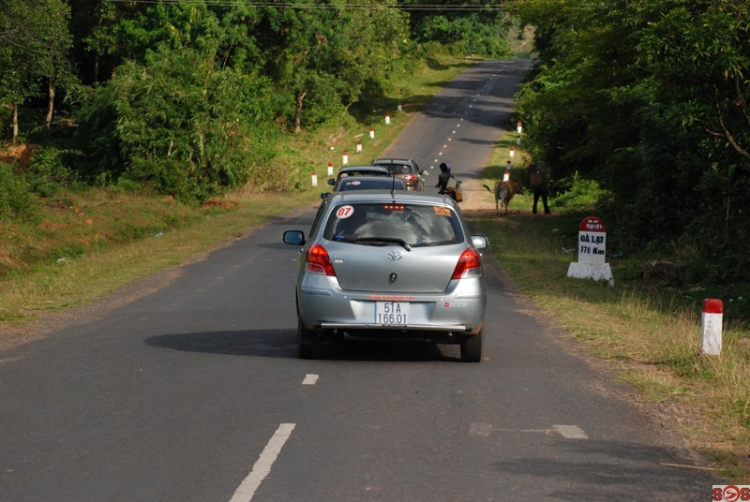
{"x": 540, "y": 188}
{"x": 443, "y": 178}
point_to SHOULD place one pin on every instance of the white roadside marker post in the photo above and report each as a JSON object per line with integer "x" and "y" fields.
{"x": 592, "y": 245}
{"x": 711, "y": 321}
{"x": 314, "y": 179}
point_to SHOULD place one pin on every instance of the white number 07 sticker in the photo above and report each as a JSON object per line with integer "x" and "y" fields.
{"x": 344, "y": 212}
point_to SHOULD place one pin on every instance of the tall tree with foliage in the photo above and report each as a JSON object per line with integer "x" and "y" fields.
{"x": 178, "y": 123}
{"x": 323, "y": 58}
{"x": 34, "y": 40}
{"x": 650, "y": 98}
{"x": 468, "y": 27}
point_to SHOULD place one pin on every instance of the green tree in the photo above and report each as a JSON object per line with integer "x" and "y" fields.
{"x": 323, "y": 58}
{"x": 178, "y": 123}
{"x": 35, "y": 44}
{"x": 648, "y": 97}
{"x": 468, "y": 27}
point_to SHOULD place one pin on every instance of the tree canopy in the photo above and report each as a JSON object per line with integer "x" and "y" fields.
{"x": 649, "y": 97}
{"x": 188, "y": 97}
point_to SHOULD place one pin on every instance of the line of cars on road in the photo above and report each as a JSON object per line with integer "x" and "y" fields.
{"x": 382, "y": 260}
{"x": 404, "y": 170}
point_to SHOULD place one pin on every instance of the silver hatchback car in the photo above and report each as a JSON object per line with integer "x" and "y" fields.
{"x": 388, "y": 264}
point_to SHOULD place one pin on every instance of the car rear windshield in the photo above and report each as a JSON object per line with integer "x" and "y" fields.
{"x": 399, "y": 168}
{"x": 370, "y": 184}
{"x": 381, "y": 223}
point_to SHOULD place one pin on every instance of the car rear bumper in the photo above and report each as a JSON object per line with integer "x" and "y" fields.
{"x": 330, "y": 309}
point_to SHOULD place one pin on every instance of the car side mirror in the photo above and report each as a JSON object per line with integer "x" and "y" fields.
{"x": 331, "y": 181}
{"x": 480, "y": 241}
{"x": 294, "y": 237}
{"x": 325, "y": 195}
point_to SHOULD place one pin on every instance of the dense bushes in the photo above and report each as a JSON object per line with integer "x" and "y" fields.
{"x": 16, "y": 202}
{"x": 650, "y": 99}
{"x": 178, "y": 124}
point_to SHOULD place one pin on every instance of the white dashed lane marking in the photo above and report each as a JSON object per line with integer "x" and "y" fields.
{"x": 310, "y": 379}
{"x": 483, "y": 430}
{"x": 566, "y": 431}
{"x": 262, "y": 467}
{"x": 570, "y": 431}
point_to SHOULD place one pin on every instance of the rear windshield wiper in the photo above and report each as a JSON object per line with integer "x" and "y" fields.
{"x": 384, "y": 240}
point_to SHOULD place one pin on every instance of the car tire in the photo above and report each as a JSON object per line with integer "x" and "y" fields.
{"x": 307, "y": 342}
{"x": 471, "y": 347}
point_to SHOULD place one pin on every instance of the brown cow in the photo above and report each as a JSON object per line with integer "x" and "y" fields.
{"x": 504, "y": 193}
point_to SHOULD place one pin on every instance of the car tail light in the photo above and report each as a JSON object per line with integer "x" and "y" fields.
{"x": 318, "y": 261}
{"x": 468, "y": 262}
{"x": 409, "y": 178}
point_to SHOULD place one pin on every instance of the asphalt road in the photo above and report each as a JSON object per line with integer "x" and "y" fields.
{"x": 193, "y": 392}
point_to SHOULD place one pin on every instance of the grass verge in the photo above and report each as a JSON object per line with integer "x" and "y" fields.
{"x": 650, "y": 336}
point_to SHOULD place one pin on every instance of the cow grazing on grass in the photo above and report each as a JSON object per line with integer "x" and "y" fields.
{"x": 504, "y": 193}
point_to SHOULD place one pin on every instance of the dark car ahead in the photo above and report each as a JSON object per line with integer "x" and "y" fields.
{"x": 349, "y": 183}
{"x": 347, "y": 171}
{"x": 405, "y": 169}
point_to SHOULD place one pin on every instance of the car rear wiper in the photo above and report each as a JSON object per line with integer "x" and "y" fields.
{"x": 384, "y": 240}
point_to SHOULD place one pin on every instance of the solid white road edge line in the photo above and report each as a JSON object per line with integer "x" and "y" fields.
{"x": 262, "y": 467}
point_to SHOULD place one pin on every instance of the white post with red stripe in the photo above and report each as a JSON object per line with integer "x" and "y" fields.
{"x": 330, "y": 169}
{"x": 372, "y": 133}
{"x": 314, "y": 179}
{"x": 359, "y": 147}
{"x": 345, "y": 159}
{"x": 387, "y": 118}
{"x": 512, "y": 152}
{"x": 711, "y": 321}
{"x": 506, "y": 176}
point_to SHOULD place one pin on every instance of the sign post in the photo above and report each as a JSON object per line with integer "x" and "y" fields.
{"x": 711, "y": 325}
{"x": 592, "y": 245}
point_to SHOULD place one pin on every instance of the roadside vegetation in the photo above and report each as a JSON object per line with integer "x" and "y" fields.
{"x": 649, "y": 333}
{"x": 639, "y": 113}
{"x": 125, "y": 123}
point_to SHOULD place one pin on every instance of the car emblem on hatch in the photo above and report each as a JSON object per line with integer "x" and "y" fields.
{"x": 393, "y": 255}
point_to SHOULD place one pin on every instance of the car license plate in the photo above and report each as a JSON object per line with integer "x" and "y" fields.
{"x": 392, "y": 313}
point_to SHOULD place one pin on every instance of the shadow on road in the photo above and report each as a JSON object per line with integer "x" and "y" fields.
{"x": 282, "y": 344}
